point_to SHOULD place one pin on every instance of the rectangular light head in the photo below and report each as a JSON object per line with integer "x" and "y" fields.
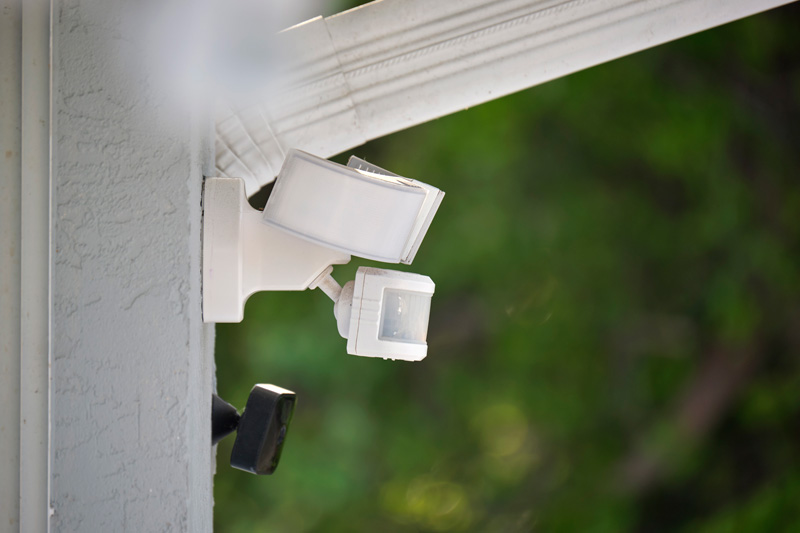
{"x": 358, "y": 209}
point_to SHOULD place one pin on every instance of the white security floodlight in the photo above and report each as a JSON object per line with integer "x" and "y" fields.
{"x": 319, "y": 214}
{"x": 359, "y": 209}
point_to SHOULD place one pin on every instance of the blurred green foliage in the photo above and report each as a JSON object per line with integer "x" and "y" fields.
{"x": 615, "y": 336}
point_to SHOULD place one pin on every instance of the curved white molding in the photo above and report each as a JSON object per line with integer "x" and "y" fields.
{"x": 390, "y": 65}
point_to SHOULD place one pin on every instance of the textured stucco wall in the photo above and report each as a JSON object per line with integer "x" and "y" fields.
{"x": 132, "y": 363}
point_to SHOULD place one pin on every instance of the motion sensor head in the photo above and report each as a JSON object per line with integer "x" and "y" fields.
{"x": 384, "y": 313}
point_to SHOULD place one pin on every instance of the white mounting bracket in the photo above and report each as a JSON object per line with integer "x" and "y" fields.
{"x": 242, "y": 255}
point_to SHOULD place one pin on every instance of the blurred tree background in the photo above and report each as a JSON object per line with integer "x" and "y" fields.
{"x": 614, "y": 341}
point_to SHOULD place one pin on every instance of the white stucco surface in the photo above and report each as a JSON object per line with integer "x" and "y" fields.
{"x": 132, "y": 361}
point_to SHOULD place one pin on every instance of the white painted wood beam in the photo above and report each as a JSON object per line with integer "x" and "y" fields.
{"x": 392, "y": 64}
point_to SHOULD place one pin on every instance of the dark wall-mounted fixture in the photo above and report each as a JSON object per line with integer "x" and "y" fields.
{"x": 260, "y": 430}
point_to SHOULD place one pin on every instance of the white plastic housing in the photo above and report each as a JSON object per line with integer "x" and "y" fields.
{"x": 358, "y": 210}
{"x": 242, "y": 255}
{"x": 387, "y": 315}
